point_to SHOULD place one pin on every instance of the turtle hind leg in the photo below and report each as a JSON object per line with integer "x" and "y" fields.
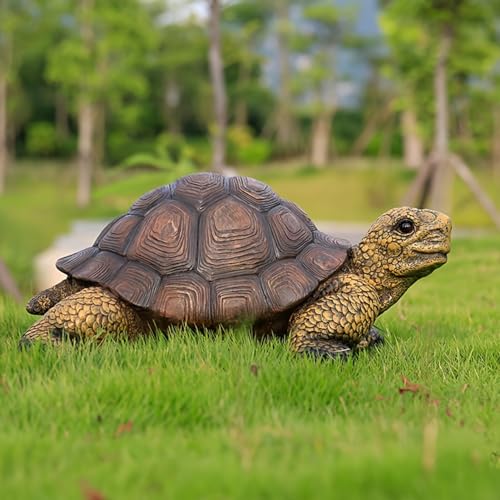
{"x": 48, "y": 298}
{"x": 90, "y": 313}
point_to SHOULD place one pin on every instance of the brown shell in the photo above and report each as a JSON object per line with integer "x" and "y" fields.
{"x": 210, "y": 250}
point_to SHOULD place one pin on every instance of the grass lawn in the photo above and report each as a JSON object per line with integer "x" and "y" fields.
{"x": 227, "y": 417}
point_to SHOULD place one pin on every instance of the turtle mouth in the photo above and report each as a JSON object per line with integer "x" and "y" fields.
{"x": 432, "y": 255}
{"x": 435, "y": 258}
{"x": 438, "y": 257}
{"x": 438, "y": 248}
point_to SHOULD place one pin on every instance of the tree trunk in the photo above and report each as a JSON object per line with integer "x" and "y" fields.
{"x": 482, "y": 197}
{"x": 440, "y": 192}
{"x": 286, "y": 132}
{"x": 320, "y": 139}
{"x": 375, "y": 119}
{"x": 99, "y": 140}
{"x": 386, "y": 140}
{"x": 219, "y": 89}
{"x": 241, "y": 109}
{"x": 241, "y": 114}
{"x": 463, "y": 125}
{"x": 8, "y": 284}
{"x": 62, "y": 117}
{"x": 412, "y": 142}
{"x": 3, "y": 131}
{"x": 86, "y": 117}
{"x": 495, "y": 146}
{"x": 418, "y": 191}
{"x": 172, "y": 98}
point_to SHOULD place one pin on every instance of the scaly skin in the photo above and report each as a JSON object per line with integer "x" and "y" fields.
{"x": 43, "y": 301}
{"x": 335, "y": 321}
{"x": 339, "y": 317}
{"x": 89, "y": 313}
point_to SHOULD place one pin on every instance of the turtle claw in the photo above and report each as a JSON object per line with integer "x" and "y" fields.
{"x": 54, "y": 337}
{"x": 324, "y": 350}
{"x": 24, "y": 344}
{"x": 375, "y": 336}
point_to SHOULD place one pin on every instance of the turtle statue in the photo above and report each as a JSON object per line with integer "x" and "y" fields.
{"x": 208, "y": 250}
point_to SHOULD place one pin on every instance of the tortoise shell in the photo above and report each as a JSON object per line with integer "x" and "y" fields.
{"x": 210, "y": 250}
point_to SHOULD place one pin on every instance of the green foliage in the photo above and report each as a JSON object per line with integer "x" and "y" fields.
{"x": 324, "y": 14}
{"x": 244, "y": 149}
{"x": 16, "y": 25}
{"x": 171, "y": 153}
{"x": 225, "y": 416}
{"x": 148, "y": 76}
{"x": 474, "y": 54}
{"x": 347, "y": 126}
{"x": 41, "y": 139}
{"x": 102, "y": 50}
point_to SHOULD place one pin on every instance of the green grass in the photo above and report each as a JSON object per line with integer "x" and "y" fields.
{"x": 227, "y": 417}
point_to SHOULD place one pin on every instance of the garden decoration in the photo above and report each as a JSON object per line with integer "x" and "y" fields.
{"x": 208, "y": 250}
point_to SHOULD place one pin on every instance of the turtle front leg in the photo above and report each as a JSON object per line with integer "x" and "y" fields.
{"x": 90, "y": 313}
{"x": 337, "y": 320}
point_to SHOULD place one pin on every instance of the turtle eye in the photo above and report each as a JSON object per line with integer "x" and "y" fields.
{"x": 405, "y": 226}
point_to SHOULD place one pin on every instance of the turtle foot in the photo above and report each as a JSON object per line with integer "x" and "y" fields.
{"x": 375, "y": 336}
{"x": 324, "y": 349}
{"x": 90, "y": 313}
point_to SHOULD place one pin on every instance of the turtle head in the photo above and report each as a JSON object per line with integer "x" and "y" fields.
{"x": 407, "y": 242}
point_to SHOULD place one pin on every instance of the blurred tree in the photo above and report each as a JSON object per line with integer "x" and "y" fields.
{"x": 408, "y": 67}
{"x": 16, "y": 19}
{"x": 181, "y": 60}
{"x": 443, "y": 40}
{"x": 8, "y": 284}
{"x": 378, "y": 101}
{"x": 319, "y": 43}
{"x": 98, "y": 66}
{"x": 482, "y": 97}
{"x": 218, "y": 87}
{"x": 246, "y": 23}
{"x": 284, "y": 121}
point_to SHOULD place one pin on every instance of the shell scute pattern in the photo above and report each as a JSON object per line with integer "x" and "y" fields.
{"x": 136, "y": 283}
{"x": 201, "y": 190}
{"x": 286, "y": 283}
{"x": 254, "y": 193}
{"x": 240, "y": 298}
{"x": 291, "y": 233}
{"x": 300, "y": 214}
{"x": 321, "y": 259}
{"x": 100, "y": 268}
{"x": 233, "y": 240}
{"x": 184, "y": 297}
{"x": 70, "y": 262}
{"x": 166, "y": 239}
{"x": 210, "y": 250}
{"x": 151, "y": 199}
{"x": 116, "y": 237}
